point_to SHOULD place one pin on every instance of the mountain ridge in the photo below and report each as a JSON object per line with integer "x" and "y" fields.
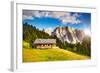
{"x": 69, "y": 34}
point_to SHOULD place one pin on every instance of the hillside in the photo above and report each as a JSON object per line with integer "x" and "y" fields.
{"x": 55, "y": 54}
{"x": 31, "y": 33}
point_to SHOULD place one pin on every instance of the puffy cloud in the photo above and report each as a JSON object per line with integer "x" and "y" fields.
{"x": 76, "y": 15}
{"x": 27, "y": 17}
{"x": 64, "y": 17}
{"x": 70, "y": 19}
{"x": 32, "y": 13}
{"x": 58, "y": 14}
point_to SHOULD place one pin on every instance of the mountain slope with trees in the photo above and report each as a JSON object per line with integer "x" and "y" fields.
{"x": 30, "y": 33}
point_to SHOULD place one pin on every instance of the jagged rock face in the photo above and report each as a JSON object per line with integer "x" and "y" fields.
{"x": 80, "y": 35}
{"x": 68, "y": 34}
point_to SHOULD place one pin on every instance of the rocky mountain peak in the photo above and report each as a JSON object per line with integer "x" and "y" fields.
{"x": 68, "y": 34}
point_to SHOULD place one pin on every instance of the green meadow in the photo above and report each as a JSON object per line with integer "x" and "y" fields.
{"x": 52, "y": 54}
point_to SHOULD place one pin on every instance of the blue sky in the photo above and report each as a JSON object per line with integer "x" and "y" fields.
{"x": 51, "y": 19}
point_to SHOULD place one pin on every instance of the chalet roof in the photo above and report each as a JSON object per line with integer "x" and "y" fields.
{"x": 45, "y": 41}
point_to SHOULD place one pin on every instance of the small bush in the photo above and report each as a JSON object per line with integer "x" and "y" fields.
{"x": 26, "y": 45}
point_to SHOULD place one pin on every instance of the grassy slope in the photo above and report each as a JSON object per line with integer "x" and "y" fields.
{"x": 36, "y": 55}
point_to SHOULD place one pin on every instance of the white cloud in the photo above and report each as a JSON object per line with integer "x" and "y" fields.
{"x": 30, "y": 13}
{"x": 71, "y": 20}
{"x": 64, "y": 17}
{"x": 27, "y": 17}
{"x": 68, "y": 18}
{"x": 36, "y": 14}
{"x": 76, "y": 15}
{"x": 58, "y": 14}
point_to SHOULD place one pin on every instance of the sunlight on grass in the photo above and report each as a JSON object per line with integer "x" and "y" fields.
{"x": 55, "y": 54}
